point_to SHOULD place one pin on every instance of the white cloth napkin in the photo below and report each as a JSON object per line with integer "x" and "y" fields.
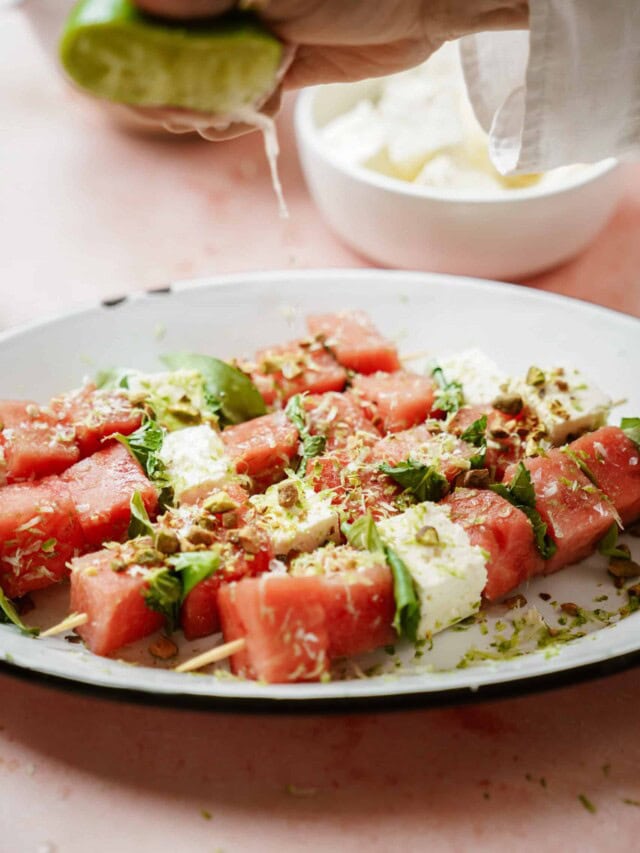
{"x": 566, "y": 91}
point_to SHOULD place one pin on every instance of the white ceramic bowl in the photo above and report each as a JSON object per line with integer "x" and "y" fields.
{"x": 399, "y": 224}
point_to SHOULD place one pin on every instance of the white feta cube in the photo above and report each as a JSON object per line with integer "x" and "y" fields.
{"x": 480, "y": 377}
{"x": 295, "y": 517}
{"x": 196, "y": 462}
{"x": 357, "y": 135}
{"x": 564, "y": 400}
{"x": 448, "y": 572}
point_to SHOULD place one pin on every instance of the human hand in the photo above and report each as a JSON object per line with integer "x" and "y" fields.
{"x": 347, "y": 40}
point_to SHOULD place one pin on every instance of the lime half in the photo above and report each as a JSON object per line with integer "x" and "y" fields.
{"x": 113, "y": 51}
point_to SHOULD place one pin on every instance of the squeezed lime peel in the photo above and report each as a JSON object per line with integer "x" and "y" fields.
{"x": 218, "y": 74}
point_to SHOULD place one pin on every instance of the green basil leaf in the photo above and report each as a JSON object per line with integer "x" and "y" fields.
{"x": 112, "y": 379}
{"x": 407, "y": 616}
{"x": 312, "y": 445}
{"x": 450, "y": 396}
{"x": 424, "y": 482}
{"x": 144, "y": 445}
{"x": 195, "y": 566}
{"x": 9, "y": 615}
{"x": 476, "y": 435}
{"x": 631, "y": 428}
{"x": 140, "y": 524}
{"x": 608, "y": 545}
{"x": 363, "y": 535}
{"x": 521, "y": 494}
{"x": 228, "y": 390}
{"x": 164, "y": 595}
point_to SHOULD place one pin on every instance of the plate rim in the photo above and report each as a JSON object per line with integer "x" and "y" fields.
{"x": 392, "y": 700}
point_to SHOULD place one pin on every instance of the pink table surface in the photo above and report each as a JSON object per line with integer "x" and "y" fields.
{"x": 87, "y": 211}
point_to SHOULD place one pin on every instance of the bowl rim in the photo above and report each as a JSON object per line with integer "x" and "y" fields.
{"x": 307, "y": 134}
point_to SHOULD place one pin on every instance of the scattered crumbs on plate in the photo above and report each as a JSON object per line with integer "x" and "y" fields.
{"x": 543, "y": 782}
{"x": 629, "y": 802}
{"x": 586, "y": 802}
{"x": 545, "y": 596}
{"x": 205, "y": 813}
{"x": 160, "y": 331}
{"x": 289, "y": 312}
{"x": 297, "y": 791}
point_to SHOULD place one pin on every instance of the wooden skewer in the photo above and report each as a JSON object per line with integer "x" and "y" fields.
{"x": 214, "y": 655}
{"x": 73, "y": 620}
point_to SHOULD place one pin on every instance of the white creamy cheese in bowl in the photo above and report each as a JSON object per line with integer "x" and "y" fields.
{"x": 399, "y": 166}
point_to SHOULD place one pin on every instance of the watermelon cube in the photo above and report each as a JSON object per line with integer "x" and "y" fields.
{"x": 614, "y": 461}
{"x": 396, "y": 401}
{"x": 32, "y": 442}
{"x": 112, "y": 599}
{"x": 576, "y": 513}
{"x": 356, "y": 484}
{"x": 280, "y": 372}
{"x": 501, "y": 530}
{"x": 340, "y": 419}
{"x": 283, "y": 622}
{"x": 506, "y": 435}
{"x": 447, "y": 453}
{"x": 199, "y": 615}
{"x": 101, "y": 488}
{"x": 95, "y": 415}
{"x": 357, "y": 596}
{"x": 355, "y": 341}
{"x": 39, "y": 533}
{"x": 263, "y": 447}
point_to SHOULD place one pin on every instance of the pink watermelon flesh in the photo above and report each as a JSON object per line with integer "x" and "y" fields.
{"x": 504, "y": 446}
{"x": 339, "y": 418}
{"x": 614, "y": 461}
{"x": 359, "y": 609}
{"x": 397, "y": 400}
{"x": 293, "y": 626}
{"x": 576, "y": 513}
{"x": 357, "y": 487}
{"x": 32, "y": 443}
{"x": 95, "y": 415}
{"x": 101, "y": 488}
{"x": 263, "y": 447}
{"x": 113, "y": 601}
{"x": 421, "y": 444}
{"x": 199, "y": 614}
{"x": 39, "y": 533}
{"x": 355, "y": 341}
{"x": 296, "y": 368}
{"x": 284, "y": 625}
{"x": 501, "y": 530}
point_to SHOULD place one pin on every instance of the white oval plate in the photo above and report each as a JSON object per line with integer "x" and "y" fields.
{"x": 428, "y": 313}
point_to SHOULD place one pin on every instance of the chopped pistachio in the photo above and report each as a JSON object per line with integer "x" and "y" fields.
{"x": 219, "y": 502}
{"x": 570, "y": 608}
{"x": 535, "y": 376}
{"x": 428, "y": 535}
{"x": 620, "y": 568}
{"x": 509, "y": 404}
{"x": 229, "y": 519}
{"x": 199, "y": 536}
{"x": 163, "y": 648}
{"x": 477, "y": 478}
{"x": 287, "y": 495}
{"x": 167, "y": 542}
